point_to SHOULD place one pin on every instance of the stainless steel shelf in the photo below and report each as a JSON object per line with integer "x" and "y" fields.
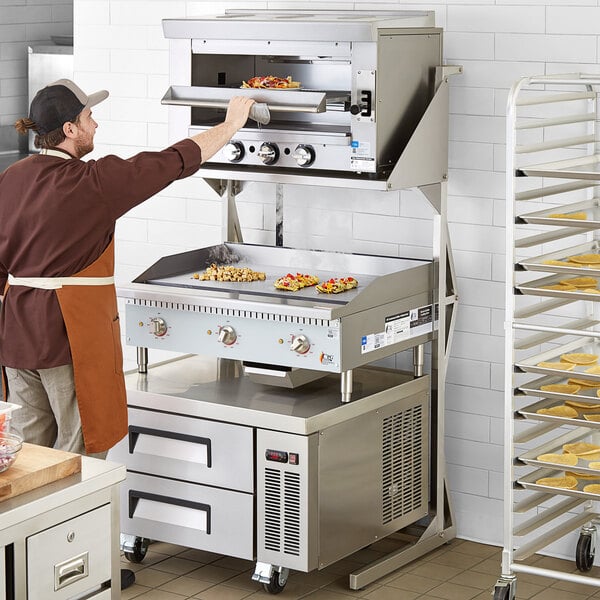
{"x": 588, "y": 168}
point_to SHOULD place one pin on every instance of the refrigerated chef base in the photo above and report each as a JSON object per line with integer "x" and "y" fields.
{"x": 354, "y": 473}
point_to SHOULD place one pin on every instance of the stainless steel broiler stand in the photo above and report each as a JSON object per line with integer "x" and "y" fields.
{"x": 552, "y": 223}
{"x": 284, "y": 444}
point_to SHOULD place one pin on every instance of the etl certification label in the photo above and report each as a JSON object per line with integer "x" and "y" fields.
{"x": 399, "y": 327}
{"x": 371, "y": 342}
{"x": 361, "y": 157}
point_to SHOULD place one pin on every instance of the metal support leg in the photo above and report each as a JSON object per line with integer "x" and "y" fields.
{"x": 232, "y": 230}
{"x": 418, "y": 359}
{"x": 279, "y": 214}
{"x": 439, "y": 526}
{"x": 346, "y": 386}
{"x": 142, "y": 359}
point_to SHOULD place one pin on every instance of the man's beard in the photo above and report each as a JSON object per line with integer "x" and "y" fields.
{"x": 83, "y": 147}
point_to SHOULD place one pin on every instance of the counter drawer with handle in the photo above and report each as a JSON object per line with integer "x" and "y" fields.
{"x": 189, "y": 449}
{"x": 188, "y": 514}
{"x": 71, "y": 558}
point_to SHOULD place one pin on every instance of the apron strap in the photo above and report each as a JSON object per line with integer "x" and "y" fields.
{"x": 4, "y": 386}
{"x": 56, "y": 283}
{"x": 55, "y": 152}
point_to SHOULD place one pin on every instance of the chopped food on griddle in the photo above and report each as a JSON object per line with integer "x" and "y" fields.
{"x": 229, "y": 273}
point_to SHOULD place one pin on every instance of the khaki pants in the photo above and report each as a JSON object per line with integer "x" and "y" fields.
{"x": 49, "y": 415}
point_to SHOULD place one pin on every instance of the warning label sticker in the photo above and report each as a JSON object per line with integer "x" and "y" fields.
{"x": 399, "y": 327}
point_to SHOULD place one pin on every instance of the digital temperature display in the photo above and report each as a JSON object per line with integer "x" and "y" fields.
{"x": 276, "y": 456}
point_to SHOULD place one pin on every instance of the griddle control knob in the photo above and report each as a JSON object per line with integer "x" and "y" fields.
{"x": 234, "y": 151}
{"x": 227, "y": 335}
{"x": 304, "y": 155}
{"x": 268, "y": 153}
{"x": 159, "y": 326}
{"x": 300, "y": 344}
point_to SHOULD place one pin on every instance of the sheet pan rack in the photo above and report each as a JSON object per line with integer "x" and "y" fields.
{"x": 552, "y": 310}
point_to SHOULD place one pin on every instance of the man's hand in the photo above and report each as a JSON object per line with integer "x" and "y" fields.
{"x": 238, "y": 110}
{"x": 213, "y": 139}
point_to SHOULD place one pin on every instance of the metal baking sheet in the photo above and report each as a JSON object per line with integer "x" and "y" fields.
{"x": 582, "y": 466}
{"x": 537, "y": 263}
{"x": 589, "y": 207}
{"x": 536, "y": 288}
{"x": 530, "y": 412}
{"x": 588, "y": 170}
{"x": 581, "y": 345}
{"x": 532, "y": 388}
{"x": 528, "y": 482}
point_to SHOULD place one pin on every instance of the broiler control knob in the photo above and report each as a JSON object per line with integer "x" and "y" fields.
{"x": 300, "y": 344}
{"x": 233, "y": 151}
{"x": 159, "y": 326}
{"x": 227, "y": 335}
{"x": 304, "y": 155}
{"x": 268, "y": 153}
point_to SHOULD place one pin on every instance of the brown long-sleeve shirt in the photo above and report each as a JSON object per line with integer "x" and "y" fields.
{"x": 57, "y": 216}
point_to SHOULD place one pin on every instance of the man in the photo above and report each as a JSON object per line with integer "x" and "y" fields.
{"x": 59, "y": 326}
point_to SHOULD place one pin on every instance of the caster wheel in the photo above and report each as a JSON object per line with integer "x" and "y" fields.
{"x": 502, "y": 593}
{"x": 584, "y": 557}
{"x": 277, "y": 582}
{"x": 140, "y": 547}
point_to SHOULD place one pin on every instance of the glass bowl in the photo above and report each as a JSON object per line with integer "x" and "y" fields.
{"x": 10, "y": 444}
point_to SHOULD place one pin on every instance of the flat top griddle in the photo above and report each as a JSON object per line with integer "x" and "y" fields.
{"x": 176, "y": 271}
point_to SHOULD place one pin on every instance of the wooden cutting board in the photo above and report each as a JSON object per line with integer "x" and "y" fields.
{"x": 36, "y": 466}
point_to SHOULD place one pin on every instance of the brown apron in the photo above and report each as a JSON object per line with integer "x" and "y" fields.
{"x": 92, "y": 322}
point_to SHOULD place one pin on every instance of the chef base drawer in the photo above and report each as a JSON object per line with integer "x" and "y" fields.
{"x": 70, "y": 558}
{"x": 188, "y": 514}
{"x": 189, "y": 449}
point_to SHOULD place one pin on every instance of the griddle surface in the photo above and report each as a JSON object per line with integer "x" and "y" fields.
{"x": 267, "y": 288}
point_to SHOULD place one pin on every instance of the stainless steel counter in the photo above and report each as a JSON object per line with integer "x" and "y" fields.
{"x": 73, "y": 521}
{"x": 201, "y": 387}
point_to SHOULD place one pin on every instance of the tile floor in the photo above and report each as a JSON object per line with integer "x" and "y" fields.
{"x": 460, "y": 570}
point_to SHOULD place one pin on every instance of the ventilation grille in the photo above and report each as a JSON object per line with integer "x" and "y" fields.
{"x": 291, "y": 514}
{"x": 231, "y": 312}
{"x": 403, "y": 464}
{"x": 272, "y": 510}
{"x": 282, "y": 512}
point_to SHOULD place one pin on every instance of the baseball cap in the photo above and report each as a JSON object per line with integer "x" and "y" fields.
{"x": 59, "y": 103}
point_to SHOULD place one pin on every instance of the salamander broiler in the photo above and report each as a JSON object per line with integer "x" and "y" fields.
{"x": 275, "y": 438}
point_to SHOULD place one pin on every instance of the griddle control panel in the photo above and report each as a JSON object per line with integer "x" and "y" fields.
{"x": 308, "y": 345}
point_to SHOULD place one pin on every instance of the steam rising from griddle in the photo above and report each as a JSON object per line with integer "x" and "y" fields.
{"x": 223, "y": 255}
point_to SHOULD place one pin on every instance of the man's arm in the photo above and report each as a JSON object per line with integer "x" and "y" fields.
{"x": 213, "y": 139}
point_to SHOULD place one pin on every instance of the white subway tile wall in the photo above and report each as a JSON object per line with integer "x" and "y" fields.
{"x": 25, "y": 23}
{"x": 119, "y": 46}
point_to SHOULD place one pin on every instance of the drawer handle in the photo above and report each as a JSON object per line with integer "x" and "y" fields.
{"x": 135, "y": 431}
{"x": 135, "y": 496}
{"x": 70, "y": 571}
